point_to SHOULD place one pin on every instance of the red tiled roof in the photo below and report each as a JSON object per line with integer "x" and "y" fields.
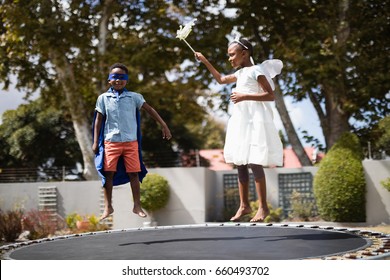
{"x": 291, "y": 160}
{"x": 216, "y": 159}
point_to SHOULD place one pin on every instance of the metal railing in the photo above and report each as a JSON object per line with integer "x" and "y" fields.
{"x": 66, "y": 173}
{"x": 33, "y": 174}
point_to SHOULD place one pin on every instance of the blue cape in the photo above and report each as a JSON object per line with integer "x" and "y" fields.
{"x": 120, "y": 176}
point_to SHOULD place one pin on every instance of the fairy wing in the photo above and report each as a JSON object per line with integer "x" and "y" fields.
{"x": 271, "y": 68}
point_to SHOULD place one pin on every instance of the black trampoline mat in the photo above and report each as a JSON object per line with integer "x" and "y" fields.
{"x": 221, "y": 242}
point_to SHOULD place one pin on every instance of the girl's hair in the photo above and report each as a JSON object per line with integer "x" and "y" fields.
{"x": 119, "y": 65}
{"x": 244, "y": 44}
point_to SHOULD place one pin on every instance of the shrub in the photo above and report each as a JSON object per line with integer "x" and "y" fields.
{"x": 71, "y": 220}
{"x": 339, "y": 185}
{"x": 232, "y": 203}
{"x": 383, "y": 142}
{"x": 386, "y": 184}
{"x": 11, "y": 225}
{"x": 301, "y": 209}
{"x": 40, "y": 224}
{"x": 231, "y": 195}
{"x": 154, "y": 192}
{"x": 92, "y": 223}
{"x": 275, "y": 215}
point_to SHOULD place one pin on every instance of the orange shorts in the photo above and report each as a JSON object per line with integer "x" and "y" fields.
{"x": 129, "y": 151}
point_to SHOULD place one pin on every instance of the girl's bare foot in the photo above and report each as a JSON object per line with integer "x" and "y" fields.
{"x": 107, "y": 212}
{"x": 241, "y": 212}
{"x": 260, "y": 215}
{"x": 139, "y": 212}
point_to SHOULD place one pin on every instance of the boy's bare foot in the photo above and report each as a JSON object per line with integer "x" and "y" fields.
{"x": 241, "y": 212}
{"x": 139, "y": 212}
{"x": 107, "y": 212}
{"x": 260, "y": 215}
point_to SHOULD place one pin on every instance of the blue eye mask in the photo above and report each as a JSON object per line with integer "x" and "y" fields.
{"x": 118, "y": 77}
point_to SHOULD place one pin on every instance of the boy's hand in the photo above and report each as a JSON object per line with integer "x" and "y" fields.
{"x": 95, "y": 148}
{"x": 166, "y": 133}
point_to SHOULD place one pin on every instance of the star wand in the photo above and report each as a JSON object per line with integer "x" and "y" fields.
{"x": 183, "y": 32}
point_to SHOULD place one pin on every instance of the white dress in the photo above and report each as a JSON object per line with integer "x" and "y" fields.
{"x": 251, "y": 135}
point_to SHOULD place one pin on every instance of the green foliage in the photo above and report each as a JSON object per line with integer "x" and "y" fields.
{"x": 154, "y": 192}
{"x": 386, "y": 184}
{"x": 56, "y": 48}
{"x": 10, "y": 225}
{"x": 71, "y": 220}
{"x": 230, "y": 194}
{"x": 301, "y": 210}
{"x": 92, "y": 223}
{"x": 34, "y": 135}
{"x": 383, "y": 142}
{"x": 340, "y": 64}
{"x": 339, "y": 185}
{"x": 39, "y": 223}
{"x": 210, "y": 133}
{"x": 275, "y": 215}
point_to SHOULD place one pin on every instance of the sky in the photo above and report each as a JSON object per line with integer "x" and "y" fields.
{"x": 11, "y": 99}
{"x": 302, "y": 114}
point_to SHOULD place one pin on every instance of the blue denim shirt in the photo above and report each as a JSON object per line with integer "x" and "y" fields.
{"x": 120, "y": 114}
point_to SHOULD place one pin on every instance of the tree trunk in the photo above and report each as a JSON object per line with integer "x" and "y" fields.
{"x": 321, "y": 114}
{"x": 76, "y": 105}
{"x": 290, "y": 130}
{"x": 78, "y": 112}
{"x": 102, "y": 45}
{"x": 281, "y": 107}
{"x": 336, "y": 119}
{"x": 335, "y": 90}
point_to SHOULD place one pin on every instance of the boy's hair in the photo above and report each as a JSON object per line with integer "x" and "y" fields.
{"x": 119, "y": 65}
{"x": 244, "y": 44}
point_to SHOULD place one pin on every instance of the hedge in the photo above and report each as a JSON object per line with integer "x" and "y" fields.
{"x": 154, "y": 192}
{"x": 339, "y": 185}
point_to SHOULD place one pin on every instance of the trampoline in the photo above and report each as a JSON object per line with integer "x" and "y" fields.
{"x": 197, "y": 242}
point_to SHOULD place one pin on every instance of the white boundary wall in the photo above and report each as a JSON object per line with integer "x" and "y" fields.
{"x": 377, "y": 197}
{"x": 196, "y": 195}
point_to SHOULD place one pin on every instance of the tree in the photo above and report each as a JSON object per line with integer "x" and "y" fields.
{"x": 381, "y": 133}
{"x": 220, "y": 26}
{"x": 45, "y": 44}
{"x": 33, "y": 136}
{"x": 333, "y": 57}
{"x": 64, "y": 49}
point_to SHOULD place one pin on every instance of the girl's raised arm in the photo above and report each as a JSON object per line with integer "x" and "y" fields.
{"x": 228, "y": 79}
